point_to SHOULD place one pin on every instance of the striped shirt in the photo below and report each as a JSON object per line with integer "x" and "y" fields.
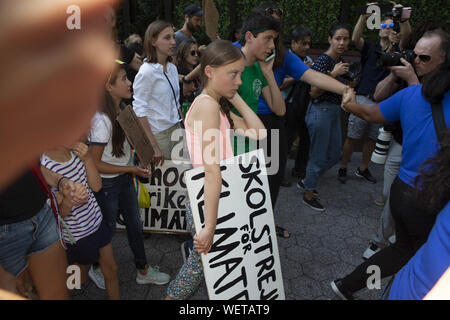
{"x": 86, "y": 218}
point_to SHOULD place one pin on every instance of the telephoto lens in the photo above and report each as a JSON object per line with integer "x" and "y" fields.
{"x": 379, "y": 155}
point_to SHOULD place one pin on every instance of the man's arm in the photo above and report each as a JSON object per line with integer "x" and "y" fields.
{"x": 386, "y": 88}
{"x": 370, "y": 113}
{"x": 358, "y": 31}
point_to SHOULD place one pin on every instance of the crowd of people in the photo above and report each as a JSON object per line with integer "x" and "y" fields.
{"x": 252, "y": 84}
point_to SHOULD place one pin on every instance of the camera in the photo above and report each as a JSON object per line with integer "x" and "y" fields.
{"x": 379, "y": 155}
{"x": 392, "y": 59}
{"x": 354, "y": 71}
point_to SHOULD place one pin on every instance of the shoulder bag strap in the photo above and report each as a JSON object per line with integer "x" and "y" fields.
{"x": 438, "y": 118}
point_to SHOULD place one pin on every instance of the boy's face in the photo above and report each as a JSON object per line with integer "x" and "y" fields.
{"x": 302, "y": 46}
{"x": 263, "y": 44}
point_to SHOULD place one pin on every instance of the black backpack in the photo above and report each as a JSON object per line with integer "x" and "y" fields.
{"x": 296, "y": 109}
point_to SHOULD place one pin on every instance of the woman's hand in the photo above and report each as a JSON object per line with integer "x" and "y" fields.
{"x": 349, "y": 96}
{"x": 82, "y": 151}
{"x": 339, "y": 69}
{"x": 204, "y": 240}
{"x": 141, "y": 172}
{"x": 158, "y": 157}
{"x": 74, "y": 191}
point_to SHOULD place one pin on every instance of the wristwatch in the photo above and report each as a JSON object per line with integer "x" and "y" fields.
{"x": 186, "y": 81}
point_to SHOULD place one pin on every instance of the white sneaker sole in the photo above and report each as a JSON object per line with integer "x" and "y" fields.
{"x": 151, "y": 282}
{"x": 336, "y": 291}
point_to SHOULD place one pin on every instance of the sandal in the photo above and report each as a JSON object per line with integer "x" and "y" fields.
{"x": 282, "y": 233}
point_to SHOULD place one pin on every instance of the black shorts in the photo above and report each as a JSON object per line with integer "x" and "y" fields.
{"x": 86, "y": 251}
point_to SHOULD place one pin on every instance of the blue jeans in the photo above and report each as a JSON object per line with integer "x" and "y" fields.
{"x": 19, "y": 240}
{"x": 324, "y": 127}
{"x": 119, "y": 194}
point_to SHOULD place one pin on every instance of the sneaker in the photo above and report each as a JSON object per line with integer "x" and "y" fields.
{"x": 366, "y": 175}
{"x": 185, "y": 250}
{"x": 313, "y": 204}
{"x": 96, "y": 276}
{"x": 371, "y": 250}
{"x": 336, "y": 286}
{"x": 301, "y": 186}
{"x": 153, "y": 276}
{"x": 342, "y": 175}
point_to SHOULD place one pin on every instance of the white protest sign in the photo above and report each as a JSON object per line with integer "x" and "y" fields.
{"x": 168, "y": 195}
{"x": 244, "y": 262}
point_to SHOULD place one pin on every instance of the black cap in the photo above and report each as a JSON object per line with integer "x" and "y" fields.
{"x": 193, "y": 10}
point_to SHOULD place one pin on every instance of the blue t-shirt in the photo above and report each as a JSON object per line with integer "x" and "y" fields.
{"x": 371, "y": 75}
{"x": 293, "y": 66}
{"x": 419, "y": 276}
{"x": 420, "y": 141}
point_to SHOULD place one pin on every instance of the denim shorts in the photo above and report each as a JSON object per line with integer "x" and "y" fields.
{"x": 34, "y": 235}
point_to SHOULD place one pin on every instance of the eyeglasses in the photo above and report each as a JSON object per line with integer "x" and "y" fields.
{"x": 422, "y": 57}
{"x": 271, "y": 11}
{"x": 384, "y": 25}
{"x": 195, "y": 53}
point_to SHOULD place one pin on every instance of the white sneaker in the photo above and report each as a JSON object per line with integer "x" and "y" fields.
{"x": 96, "y": 276}
{"x": 153, "y": 276}
{"x": 371, "y": 250}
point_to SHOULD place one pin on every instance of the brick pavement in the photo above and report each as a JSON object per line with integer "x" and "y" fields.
{"x": 323, "y": 245}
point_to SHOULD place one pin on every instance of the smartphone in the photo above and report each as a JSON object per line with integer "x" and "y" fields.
{"x": 271, "y": 57}
{"x": 406, "y": 13}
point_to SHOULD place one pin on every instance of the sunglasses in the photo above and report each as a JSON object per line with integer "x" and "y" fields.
{"x": 384, "y": 25}
{"x": 195, "y": 53}
{"x": 422, "y": 57}
{"x": 271, "y": 11}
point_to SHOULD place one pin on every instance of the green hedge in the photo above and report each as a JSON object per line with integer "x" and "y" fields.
{"x": 317, "y": 15}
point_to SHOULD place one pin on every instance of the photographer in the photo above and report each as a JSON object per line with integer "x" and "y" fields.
{"x": 370, "y": 77}
{"x": 400, "y": 78}
{"x": 411, "y": 106}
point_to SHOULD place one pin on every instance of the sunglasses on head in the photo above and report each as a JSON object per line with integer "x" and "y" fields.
{"x": 271, "y": 11}
{"x": 384, "y": 25}
{"x": 195, "y": 53}
{"x": 118, "y": 62}
{"x": 422, "y": 57}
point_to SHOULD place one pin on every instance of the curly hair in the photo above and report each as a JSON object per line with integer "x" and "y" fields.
{"x": 433, "y": 183}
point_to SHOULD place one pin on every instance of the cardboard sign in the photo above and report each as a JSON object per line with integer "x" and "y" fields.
{"x": 136, "y": 135}
{"x": 168, "y": 196}
{"x": 244, "y": 262}
{"x": 211, "y": 18}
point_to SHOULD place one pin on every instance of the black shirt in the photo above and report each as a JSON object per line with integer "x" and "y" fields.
{"x": 21, "y": 200}
{"x": 371, "y": 75}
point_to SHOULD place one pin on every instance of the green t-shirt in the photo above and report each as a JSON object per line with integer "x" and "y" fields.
{"x": 253, "y": 81}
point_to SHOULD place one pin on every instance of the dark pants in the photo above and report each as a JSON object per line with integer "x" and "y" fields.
{"x": 274, "y": 122}
{"x": 296, "y": 127}
{"x": 118, "y": 194}
{"x": 413, "y": 224}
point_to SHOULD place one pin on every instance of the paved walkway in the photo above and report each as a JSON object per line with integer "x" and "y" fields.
{"x": 323, "y": 245}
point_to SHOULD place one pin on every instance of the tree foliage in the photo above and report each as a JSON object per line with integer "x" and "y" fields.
{"x": 318, "y": 15}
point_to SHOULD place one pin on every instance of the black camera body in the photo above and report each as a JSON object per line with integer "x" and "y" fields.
{"x": 354, "y": 71}
{"x": 392, "y": 59}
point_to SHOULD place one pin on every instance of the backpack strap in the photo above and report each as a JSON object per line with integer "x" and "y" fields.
{"x": 437, "y": 111}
